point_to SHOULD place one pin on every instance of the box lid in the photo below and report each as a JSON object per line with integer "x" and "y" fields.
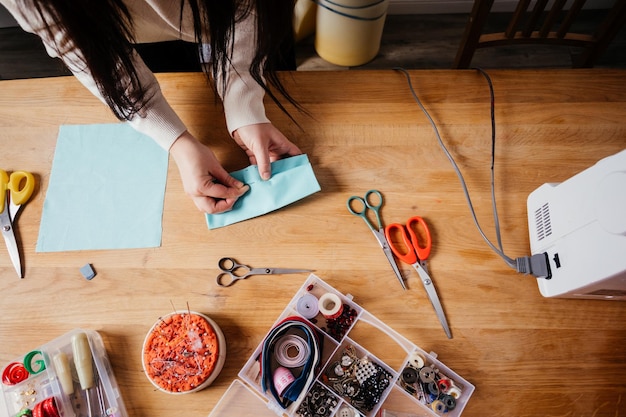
{"x": 239, "y": 400}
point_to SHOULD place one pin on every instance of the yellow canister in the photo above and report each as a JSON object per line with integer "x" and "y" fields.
{"x": 349, "y": 35}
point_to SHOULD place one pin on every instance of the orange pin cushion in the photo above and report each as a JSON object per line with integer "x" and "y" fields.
{"x": 183, "y": 352}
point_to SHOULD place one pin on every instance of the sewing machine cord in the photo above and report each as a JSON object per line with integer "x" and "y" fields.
{"x": 497, "y": 249}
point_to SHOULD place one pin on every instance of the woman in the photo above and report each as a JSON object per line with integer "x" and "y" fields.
{"x": 95, "y": 41}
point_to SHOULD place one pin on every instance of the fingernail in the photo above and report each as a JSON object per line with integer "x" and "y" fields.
{"x": 265, "y": 175}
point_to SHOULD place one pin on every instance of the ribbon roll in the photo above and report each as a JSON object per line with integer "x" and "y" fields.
{"x": 282, "y": 379}
{"x": 330, "y": 305}
{"x": 307, "y": 306}
{"x": 292, "y": 351}
{"x": 39, "y": 364}
{"x": 14, "y": 373}
{"x": 297, "y": 389}
{"x": 46, "y": 408}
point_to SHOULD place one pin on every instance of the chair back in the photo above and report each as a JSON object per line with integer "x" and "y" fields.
{"x": 536, "y": 23}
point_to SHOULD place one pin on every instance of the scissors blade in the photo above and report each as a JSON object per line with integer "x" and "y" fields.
{"x": 433, "y": 297}
{"x": 11, "y": 243}
{"x": 13, "y": 210}
{"x": 280, "y": 271}
{"x": 382, "y": 241}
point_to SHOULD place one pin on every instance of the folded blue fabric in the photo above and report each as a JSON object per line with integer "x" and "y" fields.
{"x": 292, "y": 180}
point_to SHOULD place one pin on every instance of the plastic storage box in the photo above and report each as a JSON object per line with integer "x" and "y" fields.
{"x": 366, "y": 368}
{"x": 65, "y": 377}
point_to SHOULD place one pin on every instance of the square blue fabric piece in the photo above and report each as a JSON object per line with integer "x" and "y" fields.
{"x": 292, "y": 180}
{"x": 106, "y": 190}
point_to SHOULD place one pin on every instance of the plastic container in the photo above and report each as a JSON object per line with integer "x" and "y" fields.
{"x": 349, "y": 35}
{"x": 64, "y": 377}
{"x": 195, "y": 354}
{"x": 359, "y": 355}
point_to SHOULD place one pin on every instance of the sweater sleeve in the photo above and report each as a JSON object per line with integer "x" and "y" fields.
{"x": 157, "y": 119}
{"x": 242, "y": 96}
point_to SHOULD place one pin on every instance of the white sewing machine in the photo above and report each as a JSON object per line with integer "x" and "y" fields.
{"x": 581, "y": 225}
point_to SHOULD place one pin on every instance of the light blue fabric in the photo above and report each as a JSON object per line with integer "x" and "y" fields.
{"x": 106, "y": 190}
{"x": 292, "y": 179}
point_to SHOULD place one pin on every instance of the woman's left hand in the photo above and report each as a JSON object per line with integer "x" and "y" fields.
{"x": 264, "y": 143}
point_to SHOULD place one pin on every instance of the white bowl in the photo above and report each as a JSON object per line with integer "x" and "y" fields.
{"x": 195, "y": 347}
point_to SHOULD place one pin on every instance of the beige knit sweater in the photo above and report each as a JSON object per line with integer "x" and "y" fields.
{"x": 154, "y": 21}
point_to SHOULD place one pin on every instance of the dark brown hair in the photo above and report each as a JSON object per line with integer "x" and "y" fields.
{"x": 102, "y": 32}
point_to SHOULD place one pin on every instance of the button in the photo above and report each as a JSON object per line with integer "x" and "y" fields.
{"x": 409, "y": 375}
{"x": 427, "y": 374}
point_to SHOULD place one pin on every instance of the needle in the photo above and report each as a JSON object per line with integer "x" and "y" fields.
{"x": 84, "y": 366}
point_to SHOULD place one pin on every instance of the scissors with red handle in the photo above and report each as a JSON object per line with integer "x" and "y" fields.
{"x": 15, "y": 190}
{"x": 415, "y": 254}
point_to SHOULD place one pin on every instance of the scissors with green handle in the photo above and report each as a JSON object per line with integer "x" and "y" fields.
{"x": 415, "y": 254}
{"x": 366, "y": 203}
{"x": 15, "y": 190}
{"x": 237, "y": 271}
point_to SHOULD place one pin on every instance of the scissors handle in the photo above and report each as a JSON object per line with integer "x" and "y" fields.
{"x": 20, "y": 183}
{"x": 4, "y": 185}
{"x": 405, "y": 252}
{"x": 412, "y": 251}
{"x": 367, "y": 202}
{"x": 222, "y": 281}
{"x": 234, "y": 270}
{"x": 412, "y": 225}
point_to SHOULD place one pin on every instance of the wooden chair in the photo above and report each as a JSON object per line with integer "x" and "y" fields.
{"x": 541, "y": 26}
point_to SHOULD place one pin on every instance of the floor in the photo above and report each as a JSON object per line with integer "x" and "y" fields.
{"x": 409, "y": 41}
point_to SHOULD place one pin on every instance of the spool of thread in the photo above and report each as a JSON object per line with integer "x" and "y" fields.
{"x": 416, "y": 360}
{"x": 307, "y": 306}
{"x": 330, "y": 305}
{"x": 346, "y": 411}
{"x": 282, "y": 379}
{"x": 438, "y": 407}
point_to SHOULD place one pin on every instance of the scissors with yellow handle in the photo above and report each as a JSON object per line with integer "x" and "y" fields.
{"x": 237, "y": 271}
{"x": 15, "y": 190}
{"x": 415, "y": 254}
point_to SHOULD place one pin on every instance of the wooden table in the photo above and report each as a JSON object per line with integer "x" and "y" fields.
{"x": 526, "y": 355}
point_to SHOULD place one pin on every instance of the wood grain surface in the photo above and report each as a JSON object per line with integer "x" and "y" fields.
{"x": 526, "y": 355}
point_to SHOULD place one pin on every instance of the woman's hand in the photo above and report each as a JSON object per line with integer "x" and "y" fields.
{"x": 263, "y": 143}
{"x": 208, "y": 184}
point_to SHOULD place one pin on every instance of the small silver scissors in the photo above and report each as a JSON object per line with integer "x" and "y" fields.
{"x": 237, "y": 271}
{"x": 379, "y": 233}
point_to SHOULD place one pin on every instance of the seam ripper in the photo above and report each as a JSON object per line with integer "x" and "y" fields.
{"x": 84, "y": 365}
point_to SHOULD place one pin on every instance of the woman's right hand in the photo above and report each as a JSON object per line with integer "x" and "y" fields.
{"x": 208, "y": 184}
